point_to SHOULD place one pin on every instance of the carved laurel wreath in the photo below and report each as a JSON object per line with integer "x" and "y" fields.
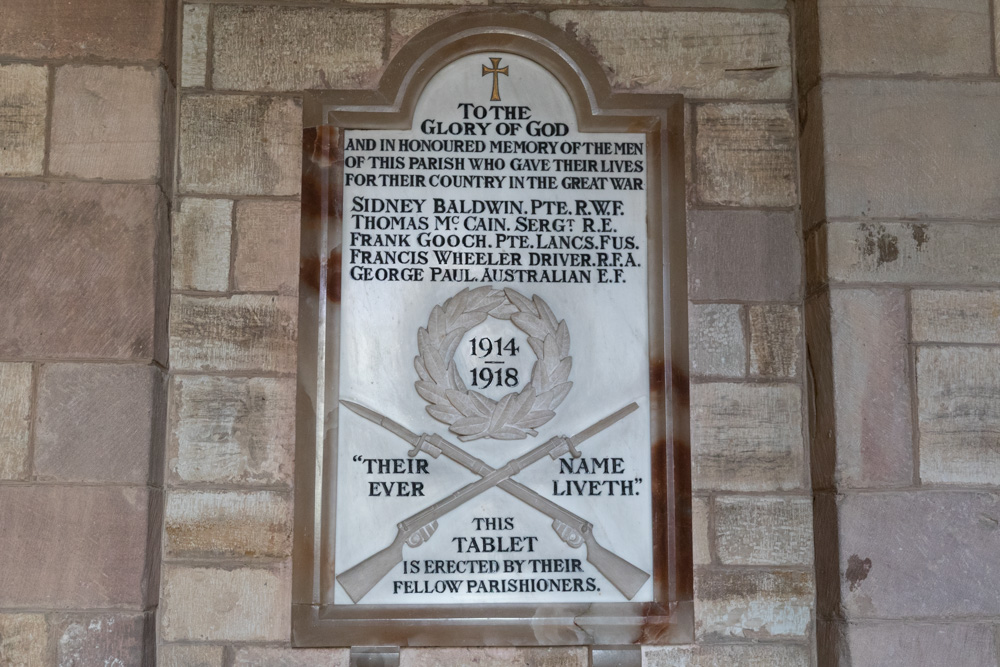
{"x": 468, "y": 413}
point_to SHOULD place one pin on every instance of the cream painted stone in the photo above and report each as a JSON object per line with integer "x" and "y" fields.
{"x": 745, "y": 155}
{"x": 716, "y": 339}
{"x": 258, "y": 656}
{"x": 232, "y": 144}
{"x": 267, "y": 246}
{"x": 698, "y": 54}
{"x": 775, "y": 339}
{"x": 941, "y": 37}
{"x": 24, "y": 640}
{"x": 262, "y": 48}
{"x": 727, "y": 655}
{"x": 215, "y": 604}
{"x": 173, "y": 655}
{"x": 493, "y": 657}
{"x": 234, "y": 524}
{"x": 231, "y": 430}
{"x": 23, "y": 103}
{"x": 700, "y": 527}
{"x": 871, "y": 390}
{"x": 752, "y": 604}
{"x": 959, "y": 415}
{"x": 106, "y": 122}
{"x": 746, "y": 437}
{"x": 956, "y": 316}
{"x": 194, "y": 46}
{"x": 405, "y": 23}
{"x": 243, "y": 332}
{"x": 758, "y": 530}
{"x": 201, "y": 232}
{"x": 897, "y": 149}
{"x": 906, "y": 252}
{"x": 15, "y": 420}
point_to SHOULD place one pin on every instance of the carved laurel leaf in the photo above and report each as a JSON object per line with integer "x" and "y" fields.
{"x": 470, "y": 414}
{"x": 470, "y": 425}
{"x": 530, "y": 324}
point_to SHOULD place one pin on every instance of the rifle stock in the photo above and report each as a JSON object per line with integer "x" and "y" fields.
{"x": 626, "y": 577}
{"x": 361, "y": 578}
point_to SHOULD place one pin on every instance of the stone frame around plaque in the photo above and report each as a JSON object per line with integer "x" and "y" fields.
{"x": 316, "y": 621}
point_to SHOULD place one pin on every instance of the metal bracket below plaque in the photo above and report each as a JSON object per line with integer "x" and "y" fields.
{"x": 375, "y": 656}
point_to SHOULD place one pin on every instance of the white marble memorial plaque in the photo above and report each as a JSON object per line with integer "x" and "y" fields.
{"x": 493, "y": 440}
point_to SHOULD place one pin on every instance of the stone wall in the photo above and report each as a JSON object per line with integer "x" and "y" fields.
{"x": 901, "y": 135}
{"x": 132, "y": 486}
{"x": 86, "y": 94}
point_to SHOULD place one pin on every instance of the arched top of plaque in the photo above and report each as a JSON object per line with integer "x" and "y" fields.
{"x": 391, "y": 106}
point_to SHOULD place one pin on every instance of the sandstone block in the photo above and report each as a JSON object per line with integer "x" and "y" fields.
{"x": 697, "y": 54}
{"x": 945, "y": 540}
{"x": 755, "y": 530}
{"x": 904, "y": 252}
{"x": 287, "y": 657}
{"x": 717, "y": 344}
{"x": 700, "y": 528}
{"x": 261, "y": 47}
{"x": 746, "y": 437}
{"x": 119, "y": 30}
{"x": 726, "y": 655}
{"x": 96, "y": 422}
{"x": 775, "y": 338}
{"x": 246, "y": 332}
{"x": 922, "y": 644}
{"x": 79, "y": 278}
{"x": 871, "y": 389}
{"x": 201, "y": 232}
{"x": 240, "y": 145}
{"x": 23, "y": 104}
{"x": 267, "y": 247}
{"x": 210, "y": 604}
{"x": 75, "y": 547}
{"x": 956, "y": 316}
{"x": 405, "y": 23}
{"x": 107, "y": 639}
{"x": 905, "y": 37}
{"x": 744, "y": 256}
{"x": 959, "y": 415}
{"x": 24, "y": 640}
{"x": 745, "y": 155}
{"x": 752, "y": 604}
{"x": 876, "y": 167}
{"x": 15, "y": 420}
{"x": 106, "y": 122}
{"x": 493, "y": 657}
{"x": 231, "y": 430}
{"x": 237, "y": 524}
{"x": 194, "y": 46}
{"x": 186, "y": 655}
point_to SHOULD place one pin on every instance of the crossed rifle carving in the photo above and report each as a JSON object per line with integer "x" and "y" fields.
{"x": 418, "y": 528}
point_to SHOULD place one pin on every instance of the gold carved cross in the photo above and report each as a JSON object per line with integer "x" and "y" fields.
{"x": 496, "y": 72}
